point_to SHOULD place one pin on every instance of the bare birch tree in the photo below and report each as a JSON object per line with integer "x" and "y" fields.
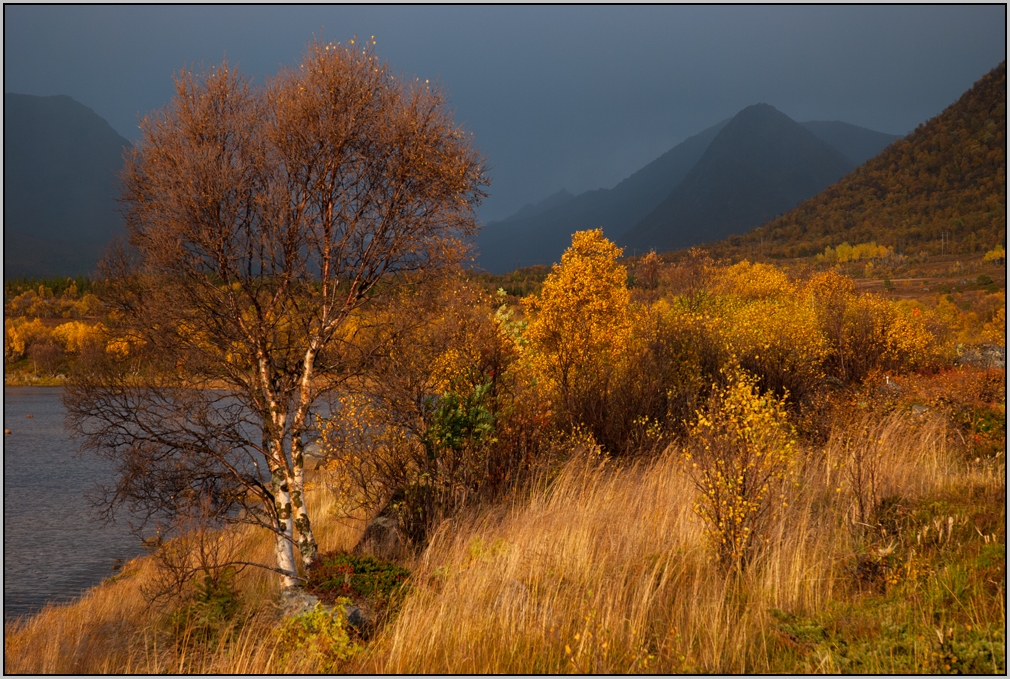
{"x": 261, "y": 220}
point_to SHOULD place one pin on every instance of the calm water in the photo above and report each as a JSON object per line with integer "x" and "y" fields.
{"x": 53, "y": 550}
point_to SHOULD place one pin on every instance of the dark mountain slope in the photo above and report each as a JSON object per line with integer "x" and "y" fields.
{"x": 60, "y": 165}
{"x": 858, "y": 144}
{"x": 760, "y": 165}
{"x": 948, "y": 176}
{"x": 542, "y": 237}
{"x": 535, "y": 209}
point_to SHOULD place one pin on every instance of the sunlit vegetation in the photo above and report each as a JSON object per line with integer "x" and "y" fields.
{"x": 714, "y": 468}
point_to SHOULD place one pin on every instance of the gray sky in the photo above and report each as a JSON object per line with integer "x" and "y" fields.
{"x": 557, "y": 97}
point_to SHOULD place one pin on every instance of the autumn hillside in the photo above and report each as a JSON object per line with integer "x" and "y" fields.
{"x": 946, "y": 177}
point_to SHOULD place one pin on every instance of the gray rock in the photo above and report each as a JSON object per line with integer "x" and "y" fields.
{"x": 918, "y": 411}
{"x": 295, "y": 602}
{"x": 383, "y": 538}
{"x": 982, "y": 356}
{"x": 313, "y": 456}
{"x": 361, "y": 619}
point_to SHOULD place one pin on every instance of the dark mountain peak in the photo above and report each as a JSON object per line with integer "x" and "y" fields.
{"x": 50, "y": 114}
{"x": 763, "y": 128}
{"x": 760, "y": 165}
{"x": 759, "y": 111}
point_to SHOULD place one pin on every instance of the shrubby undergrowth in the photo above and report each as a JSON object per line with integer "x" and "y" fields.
{"x": 717, "y": 469}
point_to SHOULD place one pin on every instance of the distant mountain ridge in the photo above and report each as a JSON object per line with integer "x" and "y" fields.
{"x": 61, "y": 163}
{"x": 538, "y": 234}
{"x": 760, "y": 165}
{"x": 541, "y": 237}
{"x": 857, "y": 144}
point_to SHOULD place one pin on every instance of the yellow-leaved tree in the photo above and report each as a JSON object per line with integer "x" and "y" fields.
{"x": 580, "y": 327}
{"x": 740, "y": 452}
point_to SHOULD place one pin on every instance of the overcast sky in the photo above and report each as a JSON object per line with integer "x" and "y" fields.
{"x": 557, "y": 97}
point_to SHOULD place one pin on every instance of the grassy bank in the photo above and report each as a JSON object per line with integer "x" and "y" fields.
{"x": 608, "y": 569}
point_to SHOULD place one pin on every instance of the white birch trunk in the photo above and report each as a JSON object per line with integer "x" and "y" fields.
{"x": 305, "y": 541}
{"x": 284, "y": 539}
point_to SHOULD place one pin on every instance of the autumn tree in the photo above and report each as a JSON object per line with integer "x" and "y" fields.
{"x": 261, "y": 220}
{"x": 581, "y": 326}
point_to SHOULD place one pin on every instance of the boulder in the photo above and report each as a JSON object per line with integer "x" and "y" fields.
{"x": 982, "y": 356}
{"x": 313, "y": 456}
{"x": 295, "y": 602}
{"x": 383, "y": 538}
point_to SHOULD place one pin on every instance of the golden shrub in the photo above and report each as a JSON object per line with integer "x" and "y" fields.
{"x": 580, "y": 327}
{"x": 994, "y": 331}
{"x": 75, "y": 336}
{"x": 20, "y": 333}
{"x": 753, "y": 281}
{"x": 740, "y": 452}
{"x": 780, "y": 340}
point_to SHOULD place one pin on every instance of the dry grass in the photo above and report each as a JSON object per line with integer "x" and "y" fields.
{"x": 607, "y": 571}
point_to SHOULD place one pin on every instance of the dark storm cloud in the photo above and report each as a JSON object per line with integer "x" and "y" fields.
{"x": 574, "y": 97}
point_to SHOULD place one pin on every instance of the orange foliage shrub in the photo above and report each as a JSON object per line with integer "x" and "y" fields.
{"x": 753, "y": 281}
{"x": 450, "y": 417}
{"x": 76, "y": 336}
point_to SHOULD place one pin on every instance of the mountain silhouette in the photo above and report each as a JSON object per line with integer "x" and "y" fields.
{"x": 759, "y": 166}
{"x": 539, "y": 233}
{"x": 858, "y": 144}
{"x": 535, "y": 236}
{"x": 61, "y": 162}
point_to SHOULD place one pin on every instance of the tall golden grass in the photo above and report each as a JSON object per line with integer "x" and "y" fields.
{"x": 605, "y": 569}
{"x": 609, "y": 570}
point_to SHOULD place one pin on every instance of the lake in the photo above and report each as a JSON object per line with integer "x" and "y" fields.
{"x": 53, "y": 550}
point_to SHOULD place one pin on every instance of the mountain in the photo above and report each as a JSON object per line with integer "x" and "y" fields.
{"x": 858, "y": 144}
{"x": 61, "y": 162}
{"x": 539, "y": 233}
{"x": 760, "y": 165}
{"x": 946, "y": 177}
{"x": 536, "y": 209}
{"x": 534, "y": 236}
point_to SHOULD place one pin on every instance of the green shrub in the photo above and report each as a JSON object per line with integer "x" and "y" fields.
{"x": 348, "y": 575}
{"x": 318, "y": 637}
{"x": 211, "y": 608}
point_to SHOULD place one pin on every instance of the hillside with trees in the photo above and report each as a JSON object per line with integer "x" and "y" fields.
{"x": 942, "y": 188}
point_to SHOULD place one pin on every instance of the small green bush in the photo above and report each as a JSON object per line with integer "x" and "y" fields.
{"x": 210, "y": 610}
{"x": 318, "y": 637}
{"x": 359, "y": 576}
